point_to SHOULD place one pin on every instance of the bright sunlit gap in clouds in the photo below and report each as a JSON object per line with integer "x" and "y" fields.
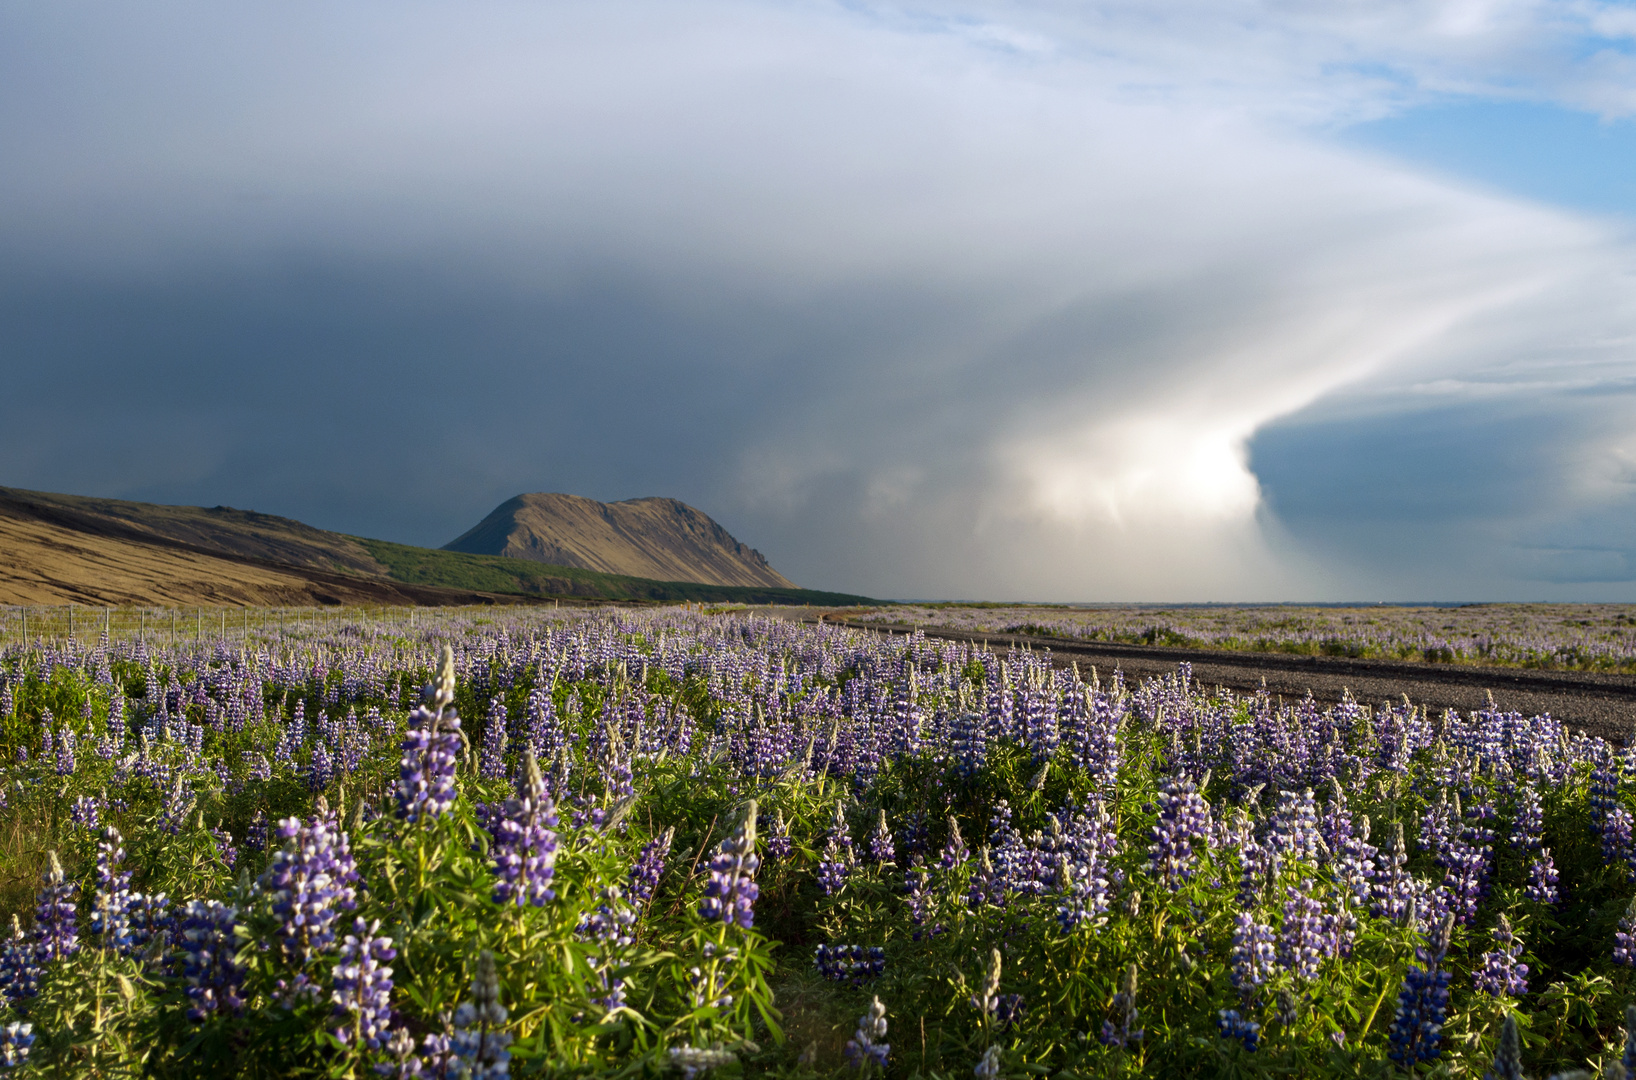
{"x": 1048, "y": 301}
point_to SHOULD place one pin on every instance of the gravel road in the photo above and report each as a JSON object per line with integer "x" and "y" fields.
{"x": 1600, "y": 704}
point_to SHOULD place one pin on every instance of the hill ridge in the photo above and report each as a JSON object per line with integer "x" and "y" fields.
{"x": 655, "y": 536}
{"x": 57, "y": 549}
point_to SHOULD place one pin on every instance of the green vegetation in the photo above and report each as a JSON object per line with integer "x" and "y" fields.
{"x": 499, "y": 574}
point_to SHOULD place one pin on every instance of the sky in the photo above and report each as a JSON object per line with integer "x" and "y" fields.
{"x": 1168, "y": 300}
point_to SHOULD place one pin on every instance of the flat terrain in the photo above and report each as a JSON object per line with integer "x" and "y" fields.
{"x": 1600, "y": 704}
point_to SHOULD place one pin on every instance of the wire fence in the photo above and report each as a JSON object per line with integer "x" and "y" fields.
{"x": 177, "y": 625}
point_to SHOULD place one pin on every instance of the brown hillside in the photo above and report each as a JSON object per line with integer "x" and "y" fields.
{"x": 657, "y": 538}
{"x": 219, "y": 530}
{"x": 64, "y": 549}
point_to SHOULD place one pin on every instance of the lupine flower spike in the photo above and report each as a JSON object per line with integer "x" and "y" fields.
{"x": 1416, "y": 1030}
{"x": 525, "y": 842}
{"x": 1508, "y": 1057}
{"x": 55, "y": 934}
{"x": 1125, "y": 1032}
{"x": 867, "y": 1046}
{"x": 730, "y": 894}
{"x": 480, "y": 1046}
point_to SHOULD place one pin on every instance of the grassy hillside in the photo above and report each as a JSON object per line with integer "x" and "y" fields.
{"x": 498, "y": 574}
{"x": 70, "y": 549}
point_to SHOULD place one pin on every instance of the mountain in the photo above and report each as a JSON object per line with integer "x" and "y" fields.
{"x": 663, "y": 539}
{"x": 72, "y": 549}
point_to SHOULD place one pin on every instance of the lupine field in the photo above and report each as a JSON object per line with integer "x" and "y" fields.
{"x": 668, "y": 842}
{"x": 1586, "y": 637}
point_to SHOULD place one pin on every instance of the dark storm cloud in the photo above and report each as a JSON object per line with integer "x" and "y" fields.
{"x": 918, "y": 306}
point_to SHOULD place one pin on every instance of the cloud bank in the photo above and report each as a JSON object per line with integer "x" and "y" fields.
{"x": 1049, "y": 302}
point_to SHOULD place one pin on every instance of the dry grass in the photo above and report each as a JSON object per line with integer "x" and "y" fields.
{"x": 41, "y": 563}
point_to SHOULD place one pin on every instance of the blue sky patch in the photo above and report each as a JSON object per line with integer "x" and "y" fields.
{"x": 1543, "y": 152}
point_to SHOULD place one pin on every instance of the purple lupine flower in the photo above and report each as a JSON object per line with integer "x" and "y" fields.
{"x": 1259, "y": 866}
{"x": 1294, "y": 832}
{"x": 1618, "y": 834}
{"x": 1423, "y": 1003}
{"x": 1253, "y": 958}
{"x": 362, "y": 992}
{"x": 111, "y": 920}
{"x": 1125, "y": 1031}
{"x": 1624, "y": 937}
{"x": 1233, "y": 1026}
{"x": 837, "y": 861}
{"x": 1184, "y": 820}
{"x": 426, "y": 784}
{"x": 1542, "y": 878}
{"x": 610, "y": 929}
{"x": 649, "y": 868}
{"x": 321, "y": 769}
{"x": 986, "y": 886}
{"x": 1084, "y": 890}
{"x": 855, "y": 964}
{"x": 1394, "y": 886}
{"x": 431, "y": 749}
{"x": 1439, "y": 825}
{"x": 255, "y": 834}
{"x": 1354, "y": 865}
{"x": 1304, "y": 939}
{"x": 1528, "y": 824}
{"x": 730, "y": 894}
{"x": 224, "y": 846}
{"x": 86, "y": 813}
{"x": 65, "y": 753}
{"x": 481, "y": 1051}
{"x": 494, "y": 741}
{"x": 1603, "y": 795}
{"x": 779, "y": 843}
{"x": 881, "y": 850}
{"x": 173, "y": 811}
{"x": 15, "y": 1040}
{"x": 150, "y": 916}
{"x": 866, "y": 1047}
{"x": 968, "y": 742}
{"x": 525, "y": 843}
{"x": 400, "y": 1062}
{"x": 1501, "y": 975}
{"x": 917, "y": 882}
{"x": 915, "y": 835}
{"x": 1465, "y": 879}
{"x": 1508, "y": 1055}
{"x": 19, "y": 966}
{"x": 260, "y": 769}
{"x": 311, "y": 881}
{"x": 955, "y": 852}
{"x": 56, "y": 935}
{"x": 214, "y": 979}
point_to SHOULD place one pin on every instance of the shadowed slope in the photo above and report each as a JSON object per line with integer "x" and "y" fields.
{"x": 657, "y": 538}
